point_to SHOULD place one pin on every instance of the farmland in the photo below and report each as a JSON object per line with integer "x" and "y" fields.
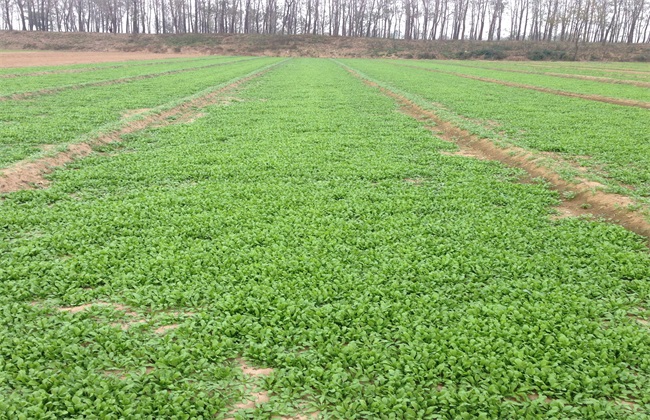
{"x": 248, "y": 237}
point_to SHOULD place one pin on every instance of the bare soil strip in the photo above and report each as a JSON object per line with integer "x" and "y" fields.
{"x": 587, "y": 199}
{"x": 564, "y": 76}
{"x": 257, "y": 397}
{"x": 86, "y": 306}
{"x": 133, "y": 319}
{"x": 30, "y": 174}
{"x": 28, "y": 95}
{"x": 165, "y": 328}
{"x": 598, "y": 98}
{"x": 638, "y": 318}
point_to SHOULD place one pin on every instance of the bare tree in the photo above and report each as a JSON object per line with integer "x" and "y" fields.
{"x": 532, "y": 20}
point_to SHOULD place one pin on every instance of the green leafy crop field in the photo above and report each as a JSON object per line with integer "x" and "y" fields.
{"x": 299, "y": 248}
{"x": 11, "y": 72}
{"x": 613, "y": 141}
{"x": 43, "y": 81}
{"x": 539, "y": 79}
{"x": 625, "y": 71}
{"x": 53, "y": 119}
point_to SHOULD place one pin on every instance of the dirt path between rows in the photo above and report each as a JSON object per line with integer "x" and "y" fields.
{"x": 587, "y": 198}
{"x": 597, "y": 98}
{"x": 11, "y": 59}
{"x": 49, "y": 91}
{"x": 565, "y": 76}
{"x": 30, "y": 174}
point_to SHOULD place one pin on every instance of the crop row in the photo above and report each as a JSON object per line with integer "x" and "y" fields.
{"x": 309, "y": 228}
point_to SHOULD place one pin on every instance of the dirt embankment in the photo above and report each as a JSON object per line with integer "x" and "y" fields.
{"x": 316, "y": 46}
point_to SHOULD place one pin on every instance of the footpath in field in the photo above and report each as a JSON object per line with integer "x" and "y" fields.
{"x": 307, "y": 251}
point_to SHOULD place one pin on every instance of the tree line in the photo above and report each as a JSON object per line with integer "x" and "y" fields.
{"x": 537, "y": 20}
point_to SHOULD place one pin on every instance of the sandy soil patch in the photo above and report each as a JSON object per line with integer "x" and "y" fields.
{"x": 166, "y": 328}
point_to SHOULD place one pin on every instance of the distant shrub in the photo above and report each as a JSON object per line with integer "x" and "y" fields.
{"x": 157, "y": 49}
{"x": 58, "y": 47}
{"x": 192, "y": 39}
{"x": 644, "y": 58}
{"x": 490, "y": 54}
{"x": 426, "y": 56}
{"x": 546, "y": 54}
{"x": 283, "y": 40}
{"x": 30, "y": 47}
{"x": 484, "y": 53}
{"x": 256, "y": 48}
